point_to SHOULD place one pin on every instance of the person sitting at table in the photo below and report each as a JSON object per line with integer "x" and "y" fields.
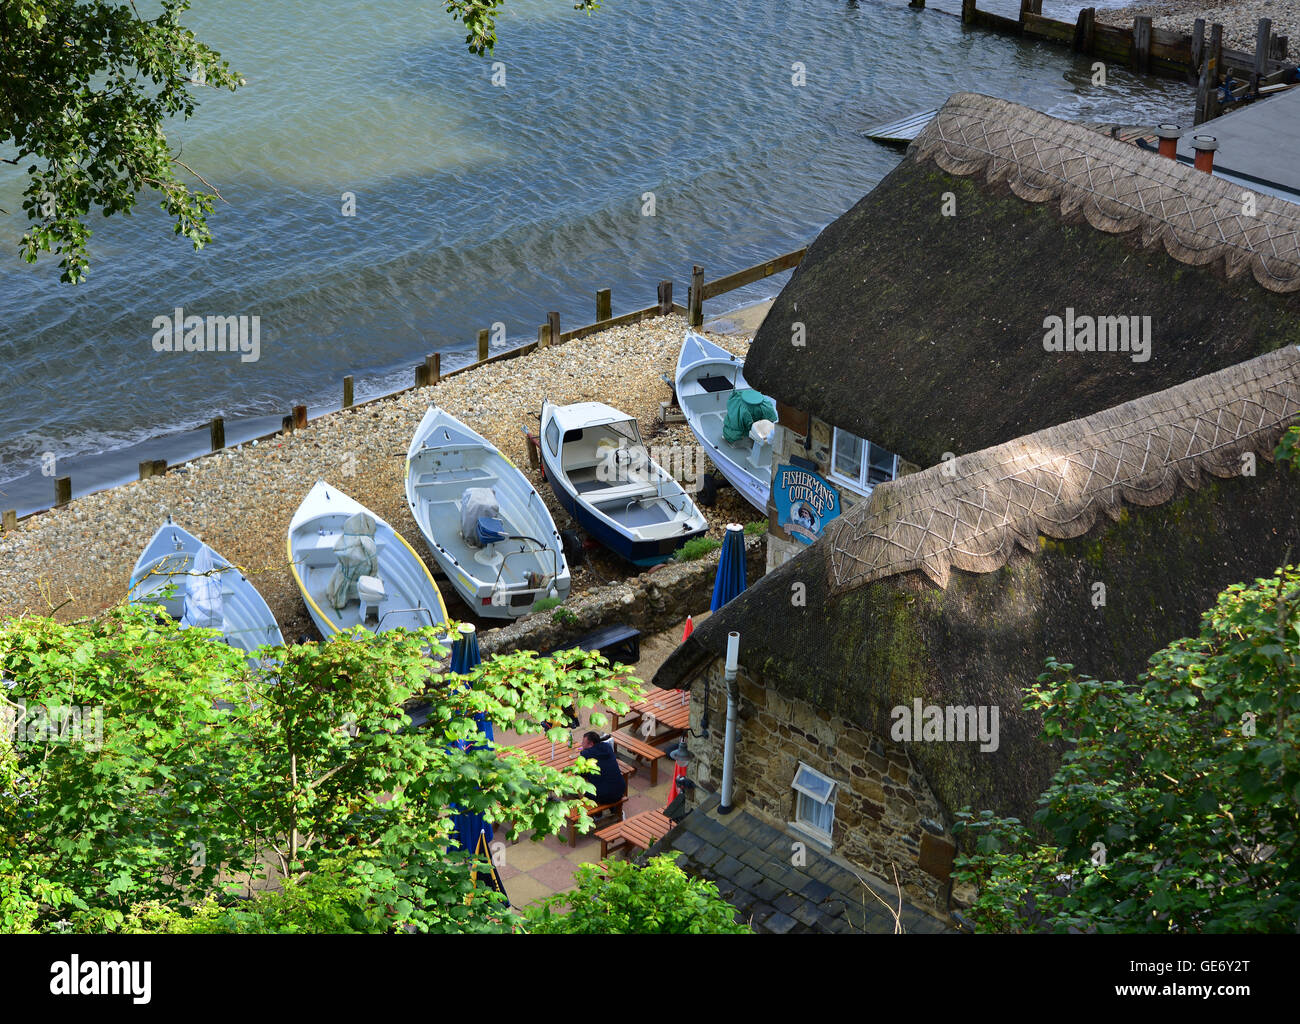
{"x": 607, "y": 778}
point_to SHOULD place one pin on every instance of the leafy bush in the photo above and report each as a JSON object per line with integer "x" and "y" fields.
{"x": 546, "y": 604}
{"x": 696, "y": 547}
{"x": 202, "y": 768}
{"x": 564, "y": 617}
{"x": 1177, "y": 804}
{"x": 616, "y": 897}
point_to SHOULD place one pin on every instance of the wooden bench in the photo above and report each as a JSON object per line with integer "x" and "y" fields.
{"x": 618, "y": 643}
{"x": 598, "y": 810}
{"x": 641, "y": 831}
{"x": 640, "y": 748}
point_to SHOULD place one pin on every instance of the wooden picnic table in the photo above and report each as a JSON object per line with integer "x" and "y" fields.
{"x": 641, "y": 830}
{"x": 559, "y": 755}
{"x": 667, "y": 707}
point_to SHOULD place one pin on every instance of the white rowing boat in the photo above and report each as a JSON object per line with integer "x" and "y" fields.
{"x": 708, "y": 376}
{"x": 355, "y": 570}
{"x": 485, "y": 524}
{"x": 206, "y": 590}
{"x": 604, "y": 477}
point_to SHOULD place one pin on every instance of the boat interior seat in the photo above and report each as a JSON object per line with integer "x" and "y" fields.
{"x": 621, "y": 494}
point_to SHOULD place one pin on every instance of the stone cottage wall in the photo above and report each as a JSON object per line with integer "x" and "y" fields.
{"x": 883, "y": 805}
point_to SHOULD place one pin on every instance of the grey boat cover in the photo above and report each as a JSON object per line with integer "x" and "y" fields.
{"x": 744, "y": 407}
{"x": 477, "y": 503}
{"x": 203, "y": 594}
{"x": 357, "y": 556}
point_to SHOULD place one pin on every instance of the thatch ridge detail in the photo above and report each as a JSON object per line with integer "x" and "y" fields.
{"x": 970, "y": 512}
{"x": 1119, "y": 188}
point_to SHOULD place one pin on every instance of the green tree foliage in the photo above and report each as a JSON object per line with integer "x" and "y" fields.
{"x": 86, "y": 89}
{"x": 617, "y": 897}
{"x": 206, "y": 766}
{"x": 480, "y": 20}
{"x": 1177, "y": 804}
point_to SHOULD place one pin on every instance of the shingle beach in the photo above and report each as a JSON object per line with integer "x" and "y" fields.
{"x": 79, "y": 558}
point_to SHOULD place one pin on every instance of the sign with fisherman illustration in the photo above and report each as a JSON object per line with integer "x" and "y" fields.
{"x": 805, "y": 502}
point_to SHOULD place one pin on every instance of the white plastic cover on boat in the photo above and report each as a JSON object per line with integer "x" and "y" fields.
{"x": 370, "y": 590}
{"x": 357, "y": 556}
{"x": 203, "y": 593}
{"x": 475, "y": 503}
{"x": 761, "y": 431}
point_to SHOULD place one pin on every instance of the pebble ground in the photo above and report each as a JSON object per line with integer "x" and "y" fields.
{"x": 78, "y": 559}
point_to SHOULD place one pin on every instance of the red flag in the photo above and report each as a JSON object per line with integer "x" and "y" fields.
{"x": 679, "y": 773}
{"x": 690, "y": 628}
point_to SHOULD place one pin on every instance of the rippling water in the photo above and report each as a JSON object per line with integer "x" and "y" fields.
{"x": 478, "y": 203}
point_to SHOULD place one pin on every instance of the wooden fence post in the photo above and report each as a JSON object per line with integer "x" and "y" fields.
{"x": 1216, "y": 68}
{"x": 62, "y": 490}
{"x": 146, "y": 470}
{"x": 695, "y": 311}
{"x": 1263, "y": 31}
{"x": 967, "y": 11}
{"x": 1085, "y": 30}
{"x": 434, "y": 362}
{"x": 217, "y": 433}
{"x": 422, "y": 375}
{"x": 543, "y": 335}
{"x": 10, "y": 520}
{"x": 299, "y": 417}
{"x": 666, "y": 295}
{"x": 1198, "y": 47}
{"x": 483, "y": 337}
{"x": 553, "y": 320}
{"x": 1140, "y": 55}
{"x": 603, "y": 307}
{"x": 919, "y": 4}
{"x": 347, "y": 391}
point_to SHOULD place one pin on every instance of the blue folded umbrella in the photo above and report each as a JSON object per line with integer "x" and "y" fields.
{"x": 464, "y": 658}
{"x": 731, "y": 567}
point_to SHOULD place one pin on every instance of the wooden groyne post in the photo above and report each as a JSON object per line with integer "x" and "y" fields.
{"x": 217, "y": 434}
{"x": 603, "y": 307}
{"x": 347, "y": 391}
{"x": 10, "y": 522}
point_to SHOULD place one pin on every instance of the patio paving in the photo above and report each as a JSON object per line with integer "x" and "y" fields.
{"x": 531, "y": 870}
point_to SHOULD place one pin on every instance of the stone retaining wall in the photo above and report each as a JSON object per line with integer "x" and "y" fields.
{"x": 651, "y": 602}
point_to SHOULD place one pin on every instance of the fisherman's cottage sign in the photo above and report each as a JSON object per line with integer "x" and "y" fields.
{"x": 805, "y": 502}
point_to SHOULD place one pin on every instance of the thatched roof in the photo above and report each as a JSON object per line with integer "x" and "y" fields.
{"x": 972, "y": 511}
{"x": 925, "y": 332}
{"x": 875, "y": 632}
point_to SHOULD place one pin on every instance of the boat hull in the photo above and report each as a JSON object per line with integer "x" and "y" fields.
{"x": 445, "y": 458}
{"x": 248, "y": 623}
{"x": 704, "y": 411}
{"x": 412, "y": 599}
{"x": 672, "y": 518}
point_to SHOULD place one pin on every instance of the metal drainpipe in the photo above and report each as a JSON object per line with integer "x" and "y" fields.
{"x": 729, "y": 744}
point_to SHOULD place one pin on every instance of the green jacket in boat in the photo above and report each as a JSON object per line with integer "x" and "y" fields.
{"x": 744, "y": 406}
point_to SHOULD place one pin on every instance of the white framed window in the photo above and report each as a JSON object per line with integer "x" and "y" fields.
{"x": 859, "y": 464}
{"x": 814, "y": 803}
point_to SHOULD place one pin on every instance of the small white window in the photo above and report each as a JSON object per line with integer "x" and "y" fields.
{"x": 860, "y": 464}
{"x": 553, "y": 437}
{"x": 814, "y": 805}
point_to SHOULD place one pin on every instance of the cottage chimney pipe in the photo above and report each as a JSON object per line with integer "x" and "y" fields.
{"x": 1205, "y": 145}
{"x": 1169, "y": 134}
{"x": 729, "y": 743}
